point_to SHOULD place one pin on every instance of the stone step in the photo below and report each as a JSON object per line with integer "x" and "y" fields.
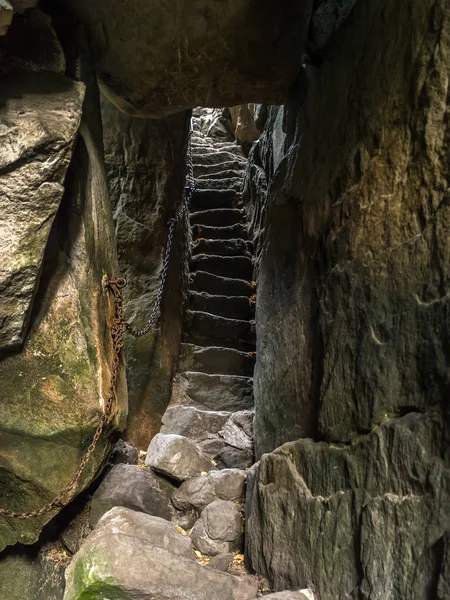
{"x": 206, "y": 198}
{"x": 237, "y": 247}
{"x": 193, "y": 423}
{"x": 220, "y": 286}
{"x": 218, "y": 217}
{"x": 229, "y": 165}
{"x": 207, "y": 342}
{"x": 235, "y": 184}
{"x": 213, "y": 157}
{"x": 216, "y": 360}
{"x": 220, "y": 233}
{"x": 207, "y": 146}
{"x": 218, "y": 328}
{"x": 213, "y": 392}
{"x": 225, "y": 174}
{"x": 233, "y": 307}
{"x": 239, "y": 267}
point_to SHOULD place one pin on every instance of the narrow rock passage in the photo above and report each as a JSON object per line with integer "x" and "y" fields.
{"x": 212, "y": 402}
{"x": 197, "y": 463}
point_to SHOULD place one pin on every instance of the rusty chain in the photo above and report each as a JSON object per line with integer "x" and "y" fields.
{"x": 118, "y": 328}
{"x": 188, "y": 192}
{"x": 117, "y": 334}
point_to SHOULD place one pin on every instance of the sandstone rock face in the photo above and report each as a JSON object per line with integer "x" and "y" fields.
{"x": 145, "y": 162}
{"x": 55, "y": 388}
{"x": 127, "y": 560}
{"x": 39, "y": 120}
{"x": 352, "y": 314}
{"x": 368, "y": 518}
{"x": 154, "y": 59}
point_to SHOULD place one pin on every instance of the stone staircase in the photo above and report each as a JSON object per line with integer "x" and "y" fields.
{"x": 214, "y": 383}
{"x": 181, "y": 512}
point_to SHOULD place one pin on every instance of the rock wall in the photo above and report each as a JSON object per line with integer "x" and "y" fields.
{"x": 352, "y": 226}
{"x": 145, "y": 162}
{"x": 57, "y": 214}
{"x": 156, "y": 59}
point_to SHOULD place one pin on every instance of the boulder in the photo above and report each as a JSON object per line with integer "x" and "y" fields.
{"x": 198, "y": 492}
{"x": 159, "y": 532}
{"x": 31, "y": 45}
{"x": 238, "y": 430}
{"x": 123, "y": 453}
{"x": 243, "y": 125}
{"x": 8, "y": 8}
{"x": 54, "y": 388}
{"x": 161, "y": 58}
{"x": 176, "y": 457}
{"x": 195, "y": 424}
{"x": 40, "y": 115}
{"x": 130, "y": 559}
{"x": 219, "y": 528}
{"x": 225, "y": 456}
{"x": 33, "y": 574}
{"x": 132, "y": 487}
{"x": 221, "y": 562}
{"x": 375, "y": 510}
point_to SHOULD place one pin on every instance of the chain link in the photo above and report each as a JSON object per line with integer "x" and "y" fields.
{"x": 117, "y": 333}
{"x": 188, "y": 193}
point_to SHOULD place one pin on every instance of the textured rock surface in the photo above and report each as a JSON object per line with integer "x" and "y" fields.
{"x": 243, "y": 124}
{"x": 123, "y": 453}
{"x": 131, "y": 563}
{"x": 353, "y": 331}
{"x": 176, "y": 457}
{"x": 145, "y": 168}
{"x": 155, "y": 59}
{"x": 53, "y": 389}
{"x": 213, "y": 392}
{"x": 8, "y": 8}
{"x": 133, "y": 487}
{"x": 219, "y": 528}
{"x": 197, "y": 425}
{"x": 368, "y": 519}
{"x": 29, "y": 574}
{"x": 289, "y": 595}
{"x": 198, "y": 492}
{"x": 159, "y": 532}
{"x": 39, "y": 119}
{"x": 31, "y": 45}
